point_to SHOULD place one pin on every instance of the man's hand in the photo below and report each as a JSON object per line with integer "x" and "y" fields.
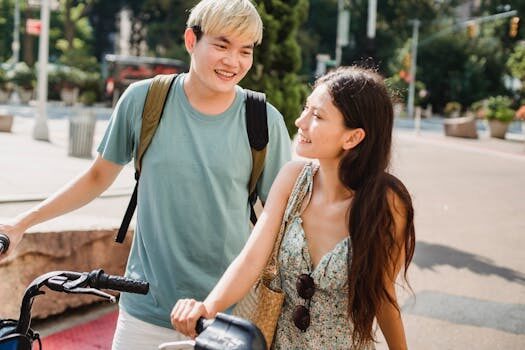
{"x": 15, "y": 233}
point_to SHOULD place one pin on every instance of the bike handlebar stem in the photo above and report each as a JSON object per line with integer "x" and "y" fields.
{"x": 75, "y": 282}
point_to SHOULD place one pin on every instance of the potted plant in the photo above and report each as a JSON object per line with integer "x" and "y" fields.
{"x": 24, "y": 79}
{"x": 452, "y": 109}
{"x": 5, "y": 87}
{"x": 499, "y": 115}
{"x": 70, "y": 80}
{"x": 457, "y": 126}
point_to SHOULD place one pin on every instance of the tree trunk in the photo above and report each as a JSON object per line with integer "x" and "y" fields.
{"x": 69, "y": 25}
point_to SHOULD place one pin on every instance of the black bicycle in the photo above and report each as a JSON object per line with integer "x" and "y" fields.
{"x": 221, "y": 333}
{"x": 18, "y": 335}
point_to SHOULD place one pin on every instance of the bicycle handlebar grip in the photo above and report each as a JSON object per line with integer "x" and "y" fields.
{"x": 4, "y": 243}
{"x": 99, "y": 279}
{"x": 202, "y": 324}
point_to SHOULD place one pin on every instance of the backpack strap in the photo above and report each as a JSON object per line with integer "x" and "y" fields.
{"x": 153, "y": 108}
{"x": 257, "y": 129}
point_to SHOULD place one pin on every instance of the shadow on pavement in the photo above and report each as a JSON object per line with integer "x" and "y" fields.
{"x": 505, "y": 317}
{"x": 429, "y": 255}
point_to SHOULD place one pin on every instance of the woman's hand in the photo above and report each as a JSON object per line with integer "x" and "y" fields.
{"x": 185, "y": 314}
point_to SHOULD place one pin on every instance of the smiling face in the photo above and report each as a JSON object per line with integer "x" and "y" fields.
{"x": 322, "y": 133}
{"x": 219, "y": 62}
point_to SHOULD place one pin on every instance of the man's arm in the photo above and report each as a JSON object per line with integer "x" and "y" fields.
{"x": 79, "y": 192}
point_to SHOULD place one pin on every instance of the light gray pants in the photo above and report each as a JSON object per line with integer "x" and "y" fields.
{"x": 134, "y": 334}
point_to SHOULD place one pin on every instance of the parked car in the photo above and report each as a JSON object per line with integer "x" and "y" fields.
{"x": 121, "y": 71}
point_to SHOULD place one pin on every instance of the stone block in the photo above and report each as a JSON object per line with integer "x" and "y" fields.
{"x": 461, "y": 127}
{"x": 6, "y": 122}
{"x": 42, "y": 252}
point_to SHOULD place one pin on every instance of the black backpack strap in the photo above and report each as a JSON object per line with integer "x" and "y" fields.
{"x": 153, "y": 108}
{"x": 257, "y": 129}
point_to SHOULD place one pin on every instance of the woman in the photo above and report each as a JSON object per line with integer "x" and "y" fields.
{"x": 346, "y": 242}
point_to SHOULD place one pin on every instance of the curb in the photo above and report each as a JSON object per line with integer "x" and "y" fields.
{"x": 27, "y": 198}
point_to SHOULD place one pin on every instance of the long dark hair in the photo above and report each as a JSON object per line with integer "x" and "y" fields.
{"x": 362, "y": 97}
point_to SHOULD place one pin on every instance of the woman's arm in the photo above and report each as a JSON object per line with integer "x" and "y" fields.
{"x": 389, "y": 316}
{"x": 248, "y": 266}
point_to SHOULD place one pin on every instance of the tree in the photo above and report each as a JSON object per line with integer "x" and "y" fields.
{"x": 76, "y": 44}
{"x": 393, "y": 28}
{"x": 458, "y": 68}
{"x": 516, "y": 64}
{"x": 277, "y": 61}
{"x": 103, "y": 19}
{"x": 6, "y": 27}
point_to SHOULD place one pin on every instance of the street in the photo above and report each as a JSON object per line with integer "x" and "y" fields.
{"x": 469, "y": 195}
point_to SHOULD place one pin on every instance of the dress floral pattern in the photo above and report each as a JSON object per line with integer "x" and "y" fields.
{"x": 330, "y": 327}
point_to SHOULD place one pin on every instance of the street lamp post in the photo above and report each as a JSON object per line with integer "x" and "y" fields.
{"x": 371, "y": 28}
{"x": 15, "y": 46}
{"x": 41, "y": 131}
{"x": 412, "y": 74}
{"x": 343, "y": 24}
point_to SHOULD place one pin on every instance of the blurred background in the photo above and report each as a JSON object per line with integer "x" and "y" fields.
{"x": 456, "y": 70}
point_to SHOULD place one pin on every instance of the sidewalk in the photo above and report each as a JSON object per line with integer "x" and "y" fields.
{"x": 468, "y": 273}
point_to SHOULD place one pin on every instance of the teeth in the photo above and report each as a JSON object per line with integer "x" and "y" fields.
{"x": 225, "y": 73}
{"x": 304, "y": 139}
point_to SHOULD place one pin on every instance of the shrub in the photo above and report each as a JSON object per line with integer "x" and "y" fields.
{"x": 498, "y": 108}
{"x": 451, "y": 108}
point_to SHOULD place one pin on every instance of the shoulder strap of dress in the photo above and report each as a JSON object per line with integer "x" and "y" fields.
{"x": 302, "y": 187}
{"x": 301, "y": 190}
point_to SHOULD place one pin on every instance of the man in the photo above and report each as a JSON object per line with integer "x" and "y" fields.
{"x": 193, "y": 213}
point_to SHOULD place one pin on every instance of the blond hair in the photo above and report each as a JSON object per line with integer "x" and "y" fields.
{"x": 215, "y": 17}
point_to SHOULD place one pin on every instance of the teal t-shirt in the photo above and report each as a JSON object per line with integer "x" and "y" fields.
{"x": 193, "y": 212}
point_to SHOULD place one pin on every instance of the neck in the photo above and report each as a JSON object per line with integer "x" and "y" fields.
{"x": 204, "y": 99}
{"x": 330, "y": 186}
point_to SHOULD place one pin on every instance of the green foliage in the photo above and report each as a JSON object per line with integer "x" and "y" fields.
{"x": 458, "y": 68}
{"x": 3, "y": 79}
{"x": 516, "y": 63}
{"x": 451, "y": 108}
{"x": 479, "y": 108}
{"x": 6, "y": 28}
{"x": 88, "y": 97}
{"x": 165, "y": 25}
{"x": 277, "y": 61}
{"x": 74, "y": 43}
{"x": 498, "y": 108}
{"x": 67, "y": 77}
{"x": 22, "y": 75}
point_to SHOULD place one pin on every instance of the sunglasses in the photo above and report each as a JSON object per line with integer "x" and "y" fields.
{"x": 305, "y": 289}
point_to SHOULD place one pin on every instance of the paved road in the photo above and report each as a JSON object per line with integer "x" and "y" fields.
{"x": 468, "y": 274}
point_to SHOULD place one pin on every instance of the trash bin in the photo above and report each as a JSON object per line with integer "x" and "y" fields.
{"x": 81, "y": 133}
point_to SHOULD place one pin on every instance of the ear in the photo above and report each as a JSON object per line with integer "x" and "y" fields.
{"x": 190, "y": 39}
{"x": 353, "y": 138}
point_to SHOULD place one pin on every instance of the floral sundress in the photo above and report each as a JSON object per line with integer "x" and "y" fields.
{"x": 330, "y": 327}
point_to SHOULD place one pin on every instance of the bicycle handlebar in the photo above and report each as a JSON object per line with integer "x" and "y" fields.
{"x": 99, "y": 280}
{"x": 78, "y": 283}
{"x": 4, "y": 243}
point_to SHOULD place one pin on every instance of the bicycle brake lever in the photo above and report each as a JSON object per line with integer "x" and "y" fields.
{"x": 76, "y": 283}
{"x": 92, "y": 291}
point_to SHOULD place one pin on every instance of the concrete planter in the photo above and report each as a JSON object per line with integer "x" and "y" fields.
{"x": 4, "y": 96}
{"x": 25, "y": 95}
{"x": 69, "y": 96}
{"x": 6, "y": 123}
{"x": 461, "y": 127}
{"x": 497, "y": 128}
